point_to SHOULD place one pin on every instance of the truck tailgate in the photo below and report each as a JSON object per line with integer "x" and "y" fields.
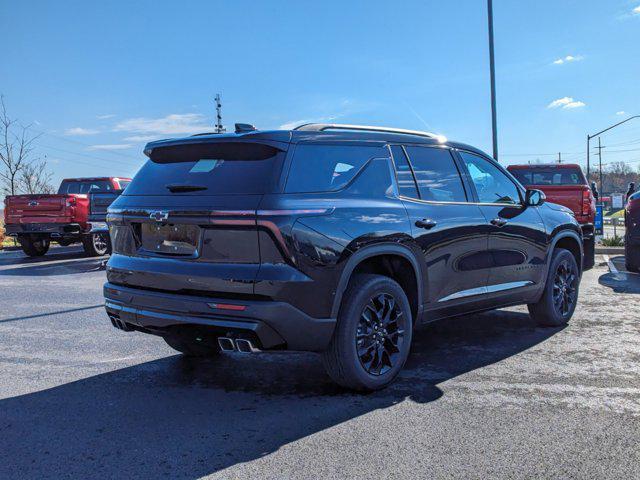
{"x": 99, "y": 203}
{"x": 569, "y": 196}
{"x": 22, "y": 207}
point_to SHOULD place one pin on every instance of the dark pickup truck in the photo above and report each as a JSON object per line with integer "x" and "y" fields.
{"x": 76, "y": 214}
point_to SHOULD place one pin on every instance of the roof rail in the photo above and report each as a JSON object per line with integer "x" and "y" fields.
{"x": 321, "y": 127}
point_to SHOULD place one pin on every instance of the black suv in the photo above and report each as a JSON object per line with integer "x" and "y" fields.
{"x": 338, "y": 239}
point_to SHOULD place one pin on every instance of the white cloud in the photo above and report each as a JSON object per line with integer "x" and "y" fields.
{"x": 114, "y": 146}
{"x": 574, "y": 105}
{"x": 636, "y": 11}
{"x": 79, "y": 131}
{"x": 141, "y": 138}
{"x": 566, "y": 103}
{"x": 105, "y": 117}
{"x": 621, "y": 112}
{"x": 568, "y": 59}
{"x": 176, "y": 123}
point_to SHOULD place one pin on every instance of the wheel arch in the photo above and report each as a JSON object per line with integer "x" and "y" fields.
{"x": 382, "y": 257}
{"x": 569, "y": 240}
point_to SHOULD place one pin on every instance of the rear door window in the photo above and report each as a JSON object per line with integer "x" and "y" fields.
{"x": 327, "y": 168}
{"x": 437, "y": 175}
{"x": 406, "y": 182}
{"x": 213, "y": 168}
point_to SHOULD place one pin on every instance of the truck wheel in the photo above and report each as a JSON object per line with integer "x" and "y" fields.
{"x": 34, "y": 247}
{"x": 372, "y": 337}
{"x": 191, "y": 348}
{"x": 96, "y": 244}
{"x": 558, "y": 302}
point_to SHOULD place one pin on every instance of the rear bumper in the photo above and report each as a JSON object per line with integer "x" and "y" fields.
{"x": 272, "y": 325}
{"x": 61, "y": 229}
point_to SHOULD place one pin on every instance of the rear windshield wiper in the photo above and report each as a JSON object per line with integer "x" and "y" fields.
{"x": 175, "y": 188}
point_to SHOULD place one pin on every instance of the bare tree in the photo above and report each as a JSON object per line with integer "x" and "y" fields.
{"x": 16, "y": 149}
{"x": 35, "y": 178}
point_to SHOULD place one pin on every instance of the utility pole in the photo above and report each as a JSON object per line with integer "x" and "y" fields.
{"x": 559, "y": 157}
{"x": 494, "y": 121}
{"x": 589, "y": 137}
{"x": 219, "y": 127}
{"x": 600, "y": 147}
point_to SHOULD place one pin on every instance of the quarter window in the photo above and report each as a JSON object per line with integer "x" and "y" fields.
{"x": 327, "y": 168}
{"x": 437, "y": 175}
{"x": 406, "y": 182}
{"x": 492, "y": 185}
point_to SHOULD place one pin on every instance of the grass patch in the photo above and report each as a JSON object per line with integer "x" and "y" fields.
{"x": 614, "y": 241}
{"x": 616, "y": 214}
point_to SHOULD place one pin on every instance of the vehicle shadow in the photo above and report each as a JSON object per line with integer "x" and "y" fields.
{"x": 63, "y": 265}
{"x": 621, "y": 282}
{"x": 188, "y": 418}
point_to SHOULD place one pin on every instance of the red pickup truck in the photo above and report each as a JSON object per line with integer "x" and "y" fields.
{"x": 564, "y": 184}
{"x": 77, "y": 213}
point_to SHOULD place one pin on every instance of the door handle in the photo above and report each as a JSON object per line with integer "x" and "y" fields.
{"x": 426, "y": 223}
{"x": 498, "y": 222}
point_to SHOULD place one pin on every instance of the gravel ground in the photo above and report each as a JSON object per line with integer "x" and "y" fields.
{"x": 483, "y": 396}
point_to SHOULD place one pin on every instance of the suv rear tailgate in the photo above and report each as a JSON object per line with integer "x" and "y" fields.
{"x": 204, "y": 244}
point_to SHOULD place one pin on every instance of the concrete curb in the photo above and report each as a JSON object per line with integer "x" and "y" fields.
{"x": 609, "y": 250}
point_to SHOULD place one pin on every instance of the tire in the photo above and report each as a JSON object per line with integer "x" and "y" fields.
{"x": 563, "y": 281}
{"x": 96, "y": 244}
{"x": 33, "y": 246}
{"x": 366, "y": 294}
{"x": 191, "y": 348}
{"x": 632, "y": 257}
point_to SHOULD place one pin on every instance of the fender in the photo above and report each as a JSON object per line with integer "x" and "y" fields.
{"x": 564, "y": 234}
{"x": 368, "y": 252}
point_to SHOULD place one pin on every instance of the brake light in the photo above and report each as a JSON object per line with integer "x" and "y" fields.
{"x": 586, "y": 202}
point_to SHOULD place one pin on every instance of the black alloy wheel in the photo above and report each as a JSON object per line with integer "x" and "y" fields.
{"x": 564, "y": 288}
{"x": 380, "y": 334}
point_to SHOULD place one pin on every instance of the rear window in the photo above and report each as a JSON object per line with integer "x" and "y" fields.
{"x": 211, "y": 168}
{"x": 327, "y": 168}
{"x": 559, "y": 176}
{"x": 85, "y": 187}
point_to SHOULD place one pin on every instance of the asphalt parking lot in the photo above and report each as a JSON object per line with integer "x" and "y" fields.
{"x": 483, "y": 396}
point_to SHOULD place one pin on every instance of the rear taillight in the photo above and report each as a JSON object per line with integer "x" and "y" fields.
{"x": 587, "y": 201}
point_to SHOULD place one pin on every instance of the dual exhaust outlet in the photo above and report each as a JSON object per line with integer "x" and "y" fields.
{"x": 241, "y": 345}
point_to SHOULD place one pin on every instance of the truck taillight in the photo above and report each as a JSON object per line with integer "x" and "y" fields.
{"x": 586, "y": 202}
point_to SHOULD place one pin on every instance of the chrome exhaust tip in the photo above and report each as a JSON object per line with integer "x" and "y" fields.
{"x": 226, "y": 344}
{"x": 245, "y": 346}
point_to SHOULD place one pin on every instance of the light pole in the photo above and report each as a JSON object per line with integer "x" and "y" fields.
{"x": 494, "y": 121}
{"x": 589, "y": 137}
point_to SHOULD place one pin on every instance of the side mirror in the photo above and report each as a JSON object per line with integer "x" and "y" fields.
{"x": 594, "y": 190}
{"x": 534, "y": 198}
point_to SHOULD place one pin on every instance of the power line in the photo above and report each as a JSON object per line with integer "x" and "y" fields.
{"x": 107, "y": 160}
{"x": 81, "y": 143}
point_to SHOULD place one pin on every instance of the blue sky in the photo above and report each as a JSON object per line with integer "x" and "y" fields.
{"x": 99, "y": 79}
